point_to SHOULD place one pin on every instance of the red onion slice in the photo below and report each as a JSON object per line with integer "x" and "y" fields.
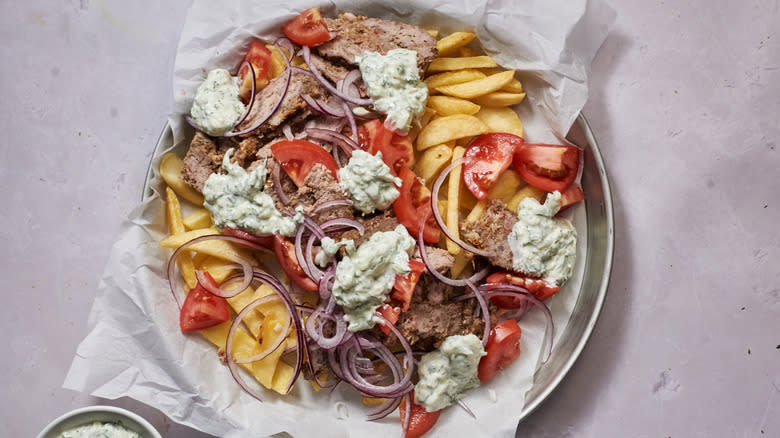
{"x": 306, "y": 53}
{"x": 219, "y": 291}
{"x": 352, "y": 122}
{"x": 485, "y": 311}
{"x": 240, "y": 318}
{"x": 276, "y": 175}
{"x": 323, "y": 107}
{"x": 322, "y": 206}
{"x": 345, "y": 143}
{"x": 434, "y": 206}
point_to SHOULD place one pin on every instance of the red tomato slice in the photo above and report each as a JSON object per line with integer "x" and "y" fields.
{"x": 572, "y": 195}
{"x": 412, "y": 203}
{"x": 548, "y": 167}
{"x": 202, "y": 309}
{"x": 297, "y": 157}
{"x": 404, "y": 285}
{"x": 390, "y": 313}
{"x": 285, "y": 253}
{"x": 264, "y": 241}
{"x": 539, "y": 287}
{"x": 260, "y": 58}
{"x": 396, "y": 149}
{"x": 420, "y": 420}
{"x": 502, "y": 348}
{"x": 486, "y": 158}
{"x": 307, "y": 29}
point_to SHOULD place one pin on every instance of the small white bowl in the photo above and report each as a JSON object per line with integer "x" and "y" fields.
{"x": 107, "y": 414}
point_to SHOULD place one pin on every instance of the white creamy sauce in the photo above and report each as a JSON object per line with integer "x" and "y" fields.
{"x": 237, "y": 200}
{"x": 447, "y": 373}
{"x": 542, "y": 244}
{"x": 393, "y": 82}
{"x": 367, "y": 180}
{"x": 365, "y": 277}
{"x": 217, "y": 107}
{"x": 329, "y": 248}
{"x": 100, "y": 430}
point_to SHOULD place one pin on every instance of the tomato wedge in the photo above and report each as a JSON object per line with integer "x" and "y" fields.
{"x": 539, "y": 287}
{"x": 502, "y": 348}
{"x": 297, "y": 157}
{"x": 486, "y": 158}
{"x": 285, "y": 254}
{"x": 390, "y": 313}
{"x": 547, "y": 166}
{"x": 202, "y": 309}
{"x": 420, "y": 420}
{"x": 572, "y": 195}
{"x": 404, "y": 285}
{"x": 260, "y": 57}
{"x": 396, "y": 149}
{"x": 412, "y": 203}
{"x": 264, "y": 241}
{"x": 307, "y": 29}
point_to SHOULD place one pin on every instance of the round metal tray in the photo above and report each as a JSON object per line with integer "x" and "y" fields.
{"x": 598, "y": 262}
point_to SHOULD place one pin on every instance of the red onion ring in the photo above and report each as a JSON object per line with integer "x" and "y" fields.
{"x": 384, "y": 409}
{"x": 237, "y": 322}
{"x": 322, "y": 206}
{"x": 434, "y": 206}
{"x": 485, "y": 311}
{"x": 323, "y": 107}
{"x": 276, "y": 175}
{"x": 345, "y": 143}
{"x": 462, "y": 404}
{"x": 408, "y": 409}
{"x": 219, "y": 291}
{"x": 306, "y": 53}
{"x": 352, "y": 123}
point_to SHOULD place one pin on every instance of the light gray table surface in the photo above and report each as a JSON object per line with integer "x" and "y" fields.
{"x": 685, "y": 104}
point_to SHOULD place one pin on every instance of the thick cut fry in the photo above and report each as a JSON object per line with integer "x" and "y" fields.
{"x": 453, "y": 192}
{"x": 452, "y": 77}
{"x": 506, "y": 186}
{"x": 480, "y": 87}
{"x": 170, "y": 171}
{"x": 528, "y": 191}
{"x": 500, "y": 98}
{"x": 447, "y": 105}
{"x": 477, "y": 211}
{"x": 467, "y": 199}
{"x": 254, "y": 320}
{"x": 175, "y": 225}
{"x": 198, "y": 219}
{"x": 452, "y": 42}
{"x": 501, "y": 120}
{"x": 215, "y": 266}
{"x": 448, "y": 64}
{"x": 465, "y": 52}
{"x": 514, "y": 86}
{"x": 216, "y": 248}
{"x": 462, "y": 262}
{"x": 427, "y": 115}
{"x": 277, "y": 62}
{"x": 432, "y": 161}
{"x": 433, "y": 32}
{"x": 449, "y": 128}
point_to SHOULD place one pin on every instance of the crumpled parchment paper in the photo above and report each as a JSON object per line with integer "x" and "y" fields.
{"x": 134, "y": 347}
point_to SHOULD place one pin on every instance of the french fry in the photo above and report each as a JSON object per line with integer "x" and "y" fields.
{"x": 514, "y": 86}
{"x": 277, "y": 64}
{"x": 433, "y": 32}
{"x": 476, "y": 212}
{"x": 432, "y": 161}
{"x": 452, "y": 77}
{"x": 200, "y": 218}
{"x": 449, "y": 64}
{"x": 528, "y": 191}
{"x": 467, "y": 199}
{"x": 186, "y": 267}
{"x": 501, "y": 120}
{"x": 427, "y": 115}
{"x": 506, "y": 186}
{"x": 466, "y": 52}
{"x": 452, "y": 42}
{"x": 170, "y": 171}
{"x": 480, "y": 87}
{"x": 500, "y": 98}
{"x": 453, "y": 191}
{"x": 447, "y": 105}
{"x": 449, "y": 128}
{"x": 215, "y": 266}
{"x": 462, "y": 262}
{"x": 216, "y": 248}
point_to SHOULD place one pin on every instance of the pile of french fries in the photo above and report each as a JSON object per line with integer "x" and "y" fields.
{"x": 469, "y": 96}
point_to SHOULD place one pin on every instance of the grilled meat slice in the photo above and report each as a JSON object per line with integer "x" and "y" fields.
{"x": 491, "y": 231}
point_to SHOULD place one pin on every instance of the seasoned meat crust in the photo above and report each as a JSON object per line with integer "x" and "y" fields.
{"x": 490, "y": 232}
{"x": 318, "y": 187}
{"x": 203, "y": 158}
{"x": 357, "y": 34}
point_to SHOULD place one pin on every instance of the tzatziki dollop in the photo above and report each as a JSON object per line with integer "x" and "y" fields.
{"x": 237, "y": 200}
{"x": 99, "y": 429}
{"x": 367, "y": 180}
{"x": 365, "y": 277}
{"x": 447, "y": 373}
{"x": 217, "y": 107}
{"x": 393, "y": 83}
{"x": 541, "y": 244}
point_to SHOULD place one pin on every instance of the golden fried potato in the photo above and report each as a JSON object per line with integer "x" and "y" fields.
{"x": 480, "y": 87}
{"x": 452, "y": 42}
{"x": 501, "y": 119}
{"x": 449, "y": 64}
{"x": 449, "y": 128}
{"x": 514, "y": 86}
{"x": 453, "y": 191}
{"x": 198, "y": 219}
{"x": 500, "y": 98}
{"x": 466, "y": 52}
{"x": 176, "y": 226}
{"x": 452, "y": 77}
{"x": 506, "y": 186}
{"x": 432, "y": 161}
{"x": 216, "y": 248}
{"x": 477, "y": 211}
{"x": 170, "y": 171}
{"x": 528, "y": 191}
{"x": 447, "y": 105}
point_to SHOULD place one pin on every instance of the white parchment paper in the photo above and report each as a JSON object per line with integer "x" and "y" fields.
{"x": 134, "y": 347}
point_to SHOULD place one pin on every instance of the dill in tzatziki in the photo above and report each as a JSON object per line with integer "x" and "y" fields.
{"x": 367, "y": 180}
{"x": 447, "y": 373}
{"x": 217, "y": 106}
